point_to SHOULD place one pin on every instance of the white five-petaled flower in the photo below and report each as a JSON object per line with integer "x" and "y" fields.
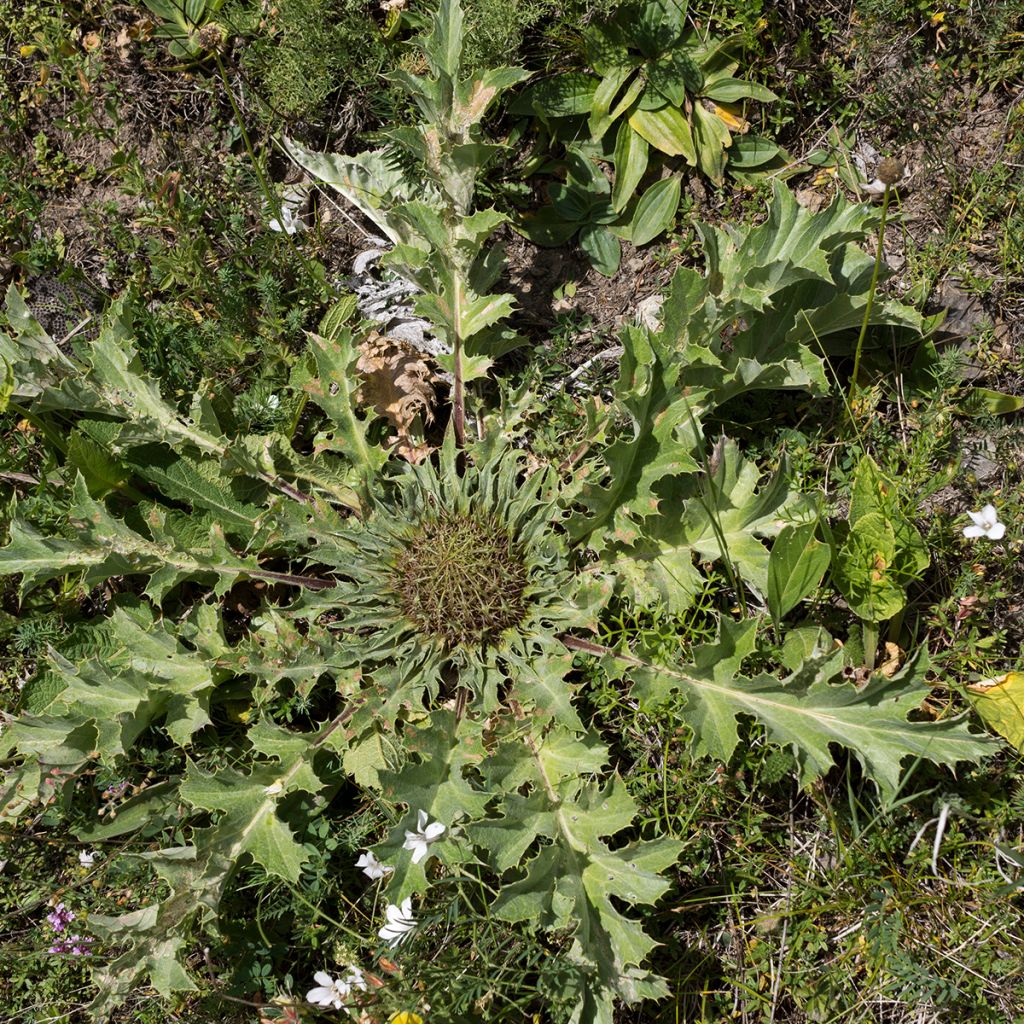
{"x": 400, "y": 922}
{"x": 985, "y": 524}
{"x": 87, "y": 858}
{"x": 372, "y": 868}
{"x": 427, "y": 832}
{"x": 335, "y": 991}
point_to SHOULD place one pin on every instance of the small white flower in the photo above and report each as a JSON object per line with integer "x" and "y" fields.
{"x": 289, "y": 222}
{"x": 372, "y": 868}
{"x": 329, "y": 991}
{"x": 400, "y": 922}
{"x": 873, "y": 188}
{"x": 87, "y": 858}
{"x": 355, "y": 978}
{"x": 986, "y": 524}
{"x": 426, "y": 833}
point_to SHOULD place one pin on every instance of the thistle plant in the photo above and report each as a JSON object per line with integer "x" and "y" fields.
{"x": 419, "y": 190}
{"x": 429, "y": 619}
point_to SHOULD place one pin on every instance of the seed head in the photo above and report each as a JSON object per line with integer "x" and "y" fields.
{"x": 462, "y": 579}
{"x": 211, "y": 37}
{"x": 890, "y": 171}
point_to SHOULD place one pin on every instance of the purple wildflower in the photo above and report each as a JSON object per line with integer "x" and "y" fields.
{"x": 60, "y": 918}
{"x": 75, "y": 945}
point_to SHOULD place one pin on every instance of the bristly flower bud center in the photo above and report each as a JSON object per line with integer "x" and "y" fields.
{"x": 890, "y": 171}
{"x": 462, "y": 580}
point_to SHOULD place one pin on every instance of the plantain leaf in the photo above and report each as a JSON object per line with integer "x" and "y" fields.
{"x": 666, "y": 130}
{"x": 656, "y": 211}
{"x": 795, "y": 568}
{"x": 631, "y": 153}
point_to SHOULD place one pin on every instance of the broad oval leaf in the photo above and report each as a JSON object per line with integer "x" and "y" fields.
{"x": 602, "y": 249}
{"x": 674, "y": 75}
{"x": 732, "y": 90}
{"x": 656, "y": 210}
{"x": 750, "y": 151}
{"x": 795, "y": 567}
{"x": 631, "y": 154}
{"x": 545, "y": 227}
{"x": 565, "y": 95}
{"x": 666, "y": 130}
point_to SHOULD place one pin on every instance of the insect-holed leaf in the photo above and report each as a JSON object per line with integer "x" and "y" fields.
{"x": 334, "y": 390}
{"x": 33, "y": 356}
{"x": 809, "y": 711}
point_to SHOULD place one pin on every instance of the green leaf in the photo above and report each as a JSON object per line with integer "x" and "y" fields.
{"x": 656, "y": 559}
{"x": 674, "y": 75}
{"x": 666, "y": 130}
{"x": 985, "y": 402}
{"x": 100, "y": 470}
{"x": 656, "y": 211}
{"x": 808, "y": 711}
{"x": 602, "y": 248}
{"x": 722, "y": 88}
{"x": 748, "y": 152}
{"x": 334, "y": 391}
{"x": 106, "y": 547}
{"x": 631, "y": 153}
{"x": 795, "y": 568}
{"x": 711, "y": 138}
{"x": 573, "y": 878}
{"x": 247, "y": 803}
{"x": 202, "y": 484}
{"x": 564, "y": 95}
{"x": 446, "y": 749}
{"x": 546, "y": 227}
{"x": 660, "y": 443}
{"x": 600, "y": 118}
{"x": 443, "y": 45}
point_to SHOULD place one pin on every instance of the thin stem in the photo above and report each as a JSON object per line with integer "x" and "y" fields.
{"x": 871, "y": 296}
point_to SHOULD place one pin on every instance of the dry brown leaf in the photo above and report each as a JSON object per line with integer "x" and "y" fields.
{"x": 398, "y": 384}
{"x": 893, "y": 660}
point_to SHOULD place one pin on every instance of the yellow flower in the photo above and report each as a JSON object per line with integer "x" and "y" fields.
{"x": 406, "y": 1017}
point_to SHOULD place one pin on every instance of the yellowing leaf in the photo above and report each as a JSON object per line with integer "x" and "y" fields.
{"x": 733, "y": 121}
{"x": 1000, "y": 703}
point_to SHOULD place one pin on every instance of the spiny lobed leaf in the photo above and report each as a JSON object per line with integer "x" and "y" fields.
{"x": 569, "y": 880}
{"x": 658, "y": 566}
{"x": 808, "y": 711}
